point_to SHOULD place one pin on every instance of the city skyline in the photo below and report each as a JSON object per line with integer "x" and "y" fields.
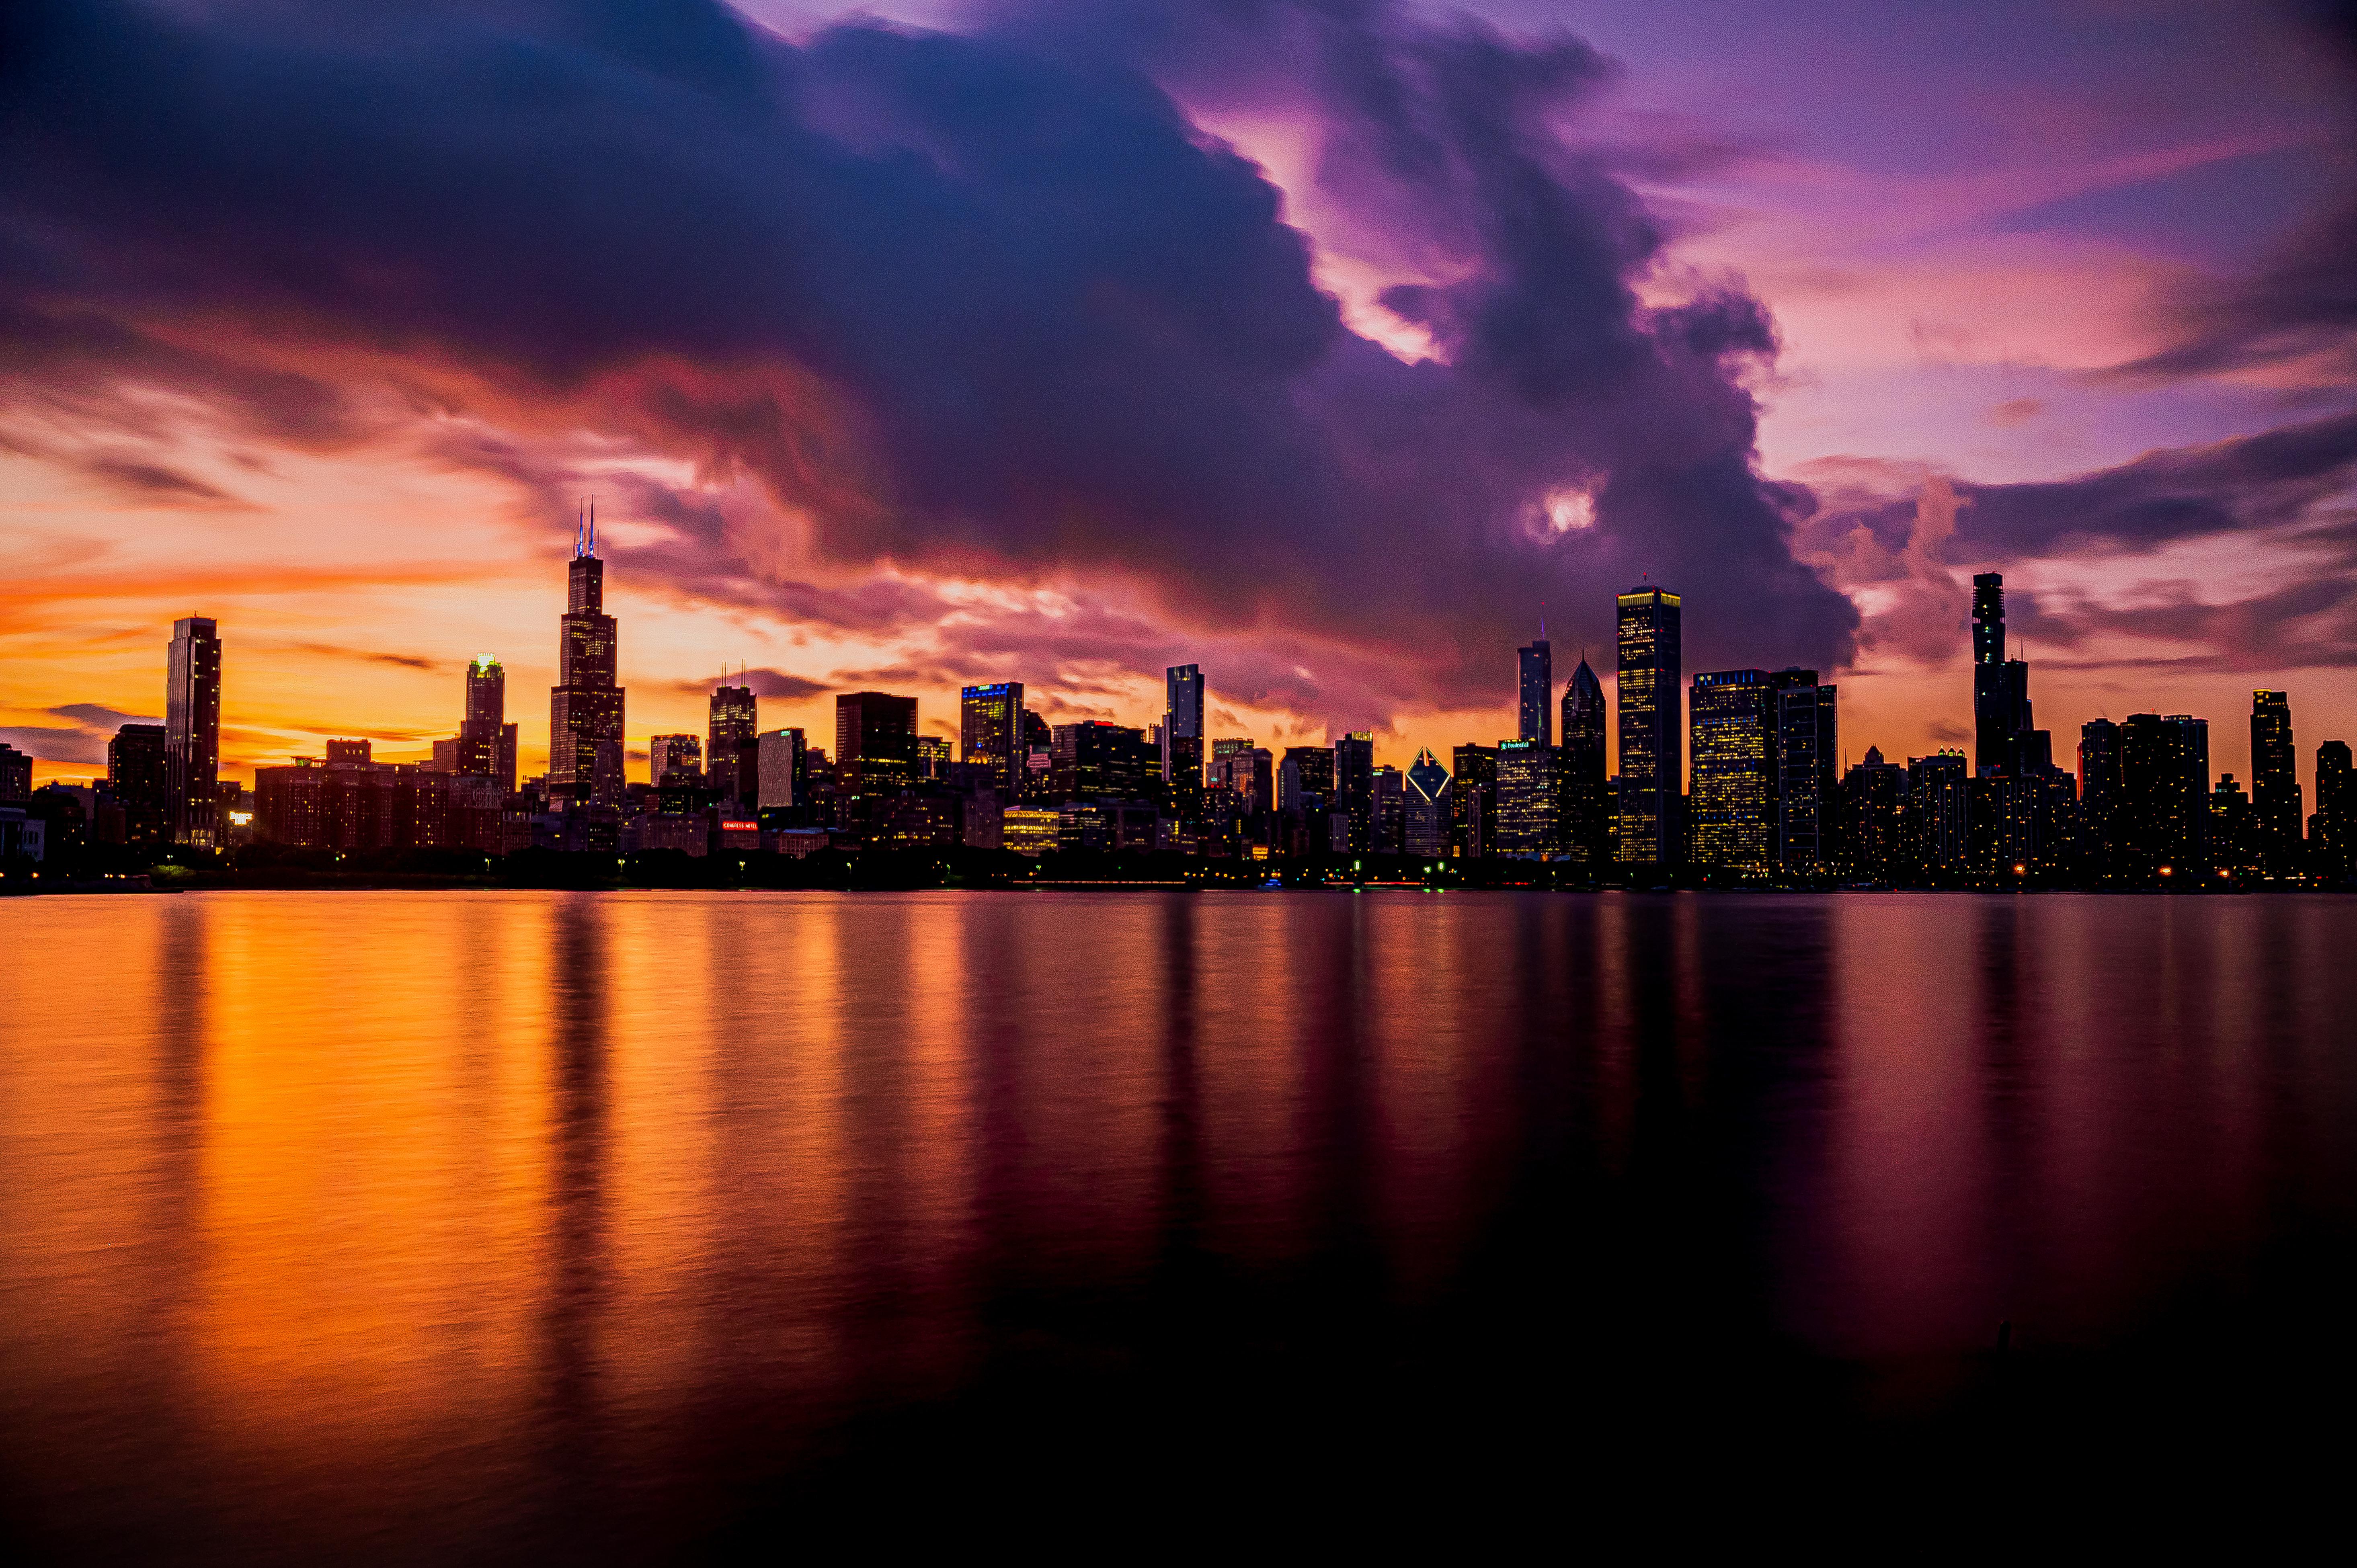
{"x": 1946, "y": 343}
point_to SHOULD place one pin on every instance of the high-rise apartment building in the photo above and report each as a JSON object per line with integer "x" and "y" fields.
{"x": 1425, "y": 809}
{"x": 1092, "y": 760}
{"x": 1873, "y": 813}
{"x": 193, "y": 699}
{"x": 2276, "y": 812}
{"x": 1389, "y": 833}
{"x": 1533, "y": 710}
{"x": 1653, "y": 760}
{"x": 1526, "y": 799}
{"x": 139, "y": 774}
{"x": 1354, "y": 785}
{"x": 1182, "y": 740}
{"x": 990, "y": 734}
{"x": 2164, "y": 809}
{"x": 585, "y": 706}
{"x": 1733, "y": 810}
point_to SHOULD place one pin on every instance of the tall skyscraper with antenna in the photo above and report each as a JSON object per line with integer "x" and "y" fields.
{"x": 1534, "y": 713}
{"x": 585, "y": 706}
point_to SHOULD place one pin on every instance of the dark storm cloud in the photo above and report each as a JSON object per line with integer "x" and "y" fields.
{"x": 155, "y": 484}
{"x": 983, "y": 304}
{"x": 371, "y": 656}
{"x": 82, "y": 741}
{"x": 2253, "y": 483}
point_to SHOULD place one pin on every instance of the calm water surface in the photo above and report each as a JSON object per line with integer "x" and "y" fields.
{"x": 399, "y": 1225}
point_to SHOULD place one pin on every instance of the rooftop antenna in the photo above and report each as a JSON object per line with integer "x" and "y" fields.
{"x": 593, "y": 525}
{"x": 1542, "y": 620}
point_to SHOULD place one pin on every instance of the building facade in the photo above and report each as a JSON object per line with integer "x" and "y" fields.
{"x": 1651, "y": 735}
{"x": 2276, "y": 812}
{"x": 585, "y": 706}
{"x": 193, "y": 699}
{"x": 990, "y": 732}
{"x": 1732, "y": 723}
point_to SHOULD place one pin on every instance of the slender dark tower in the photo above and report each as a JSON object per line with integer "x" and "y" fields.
{"x": 1583, "y": 817}
{"x": 192, "y": 695}
{"x": 1182, "y": 739}
{"x": 1535, "y": 718}
{"x": 486, "y": 739}
{"x": 585, "y": 706}
{"x": 1354, "y": 786}
{"x": 2000, "y": 686}
{"x": 2274, "y": 785}
{"x": 1652, "y": 752}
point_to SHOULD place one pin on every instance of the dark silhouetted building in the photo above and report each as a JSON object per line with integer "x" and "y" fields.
{"x": 674, "y": 758}
{"x": 2000, "y": 686}
{"x": 139, "y": 774}
{"x": 2333, "y": 830}
{"x": 1096, "y": 761}
{"x": 1182, "y": 740}
{"x": 1390, "y": 832}
{"x": 1584, "y": 814}
{"x": 1652, "y": 760}
{"x": 1937, "y": 847}
{"x": 2275, "y": 811}
{"x": 2164, "y": 809}
{"x": 15, "y": 774}
{"x": 1473, "y": 802}
{"x": 990, "y": 732}
{"x": 1872, "y": 844}
{"x": 486, "y": 746}
{"x": 1425, "y": 809}
{"x": 2099, "y": 798}
{"x": 1808, "y": 743}
{"x": 585, "y": 706}
{"x": 1733, "y": 807}
{"x": 1248, "y": 773}
{"x": 1533, "y": 718}
{"x": 875, "y": 745}
{"x": 193, "y": 699}
{"x": 2234, "y": 847}
{"x": 1526, "y": 799}
{"x": 1354, "y": 787}
{"x": 731, "y": 752}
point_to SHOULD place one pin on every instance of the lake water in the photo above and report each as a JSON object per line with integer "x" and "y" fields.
{"x": 398, "y": 1225}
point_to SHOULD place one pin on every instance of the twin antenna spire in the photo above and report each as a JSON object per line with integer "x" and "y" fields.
{"x": 585, "y": 530}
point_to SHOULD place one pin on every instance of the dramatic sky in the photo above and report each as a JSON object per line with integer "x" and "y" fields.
{"x": 1320, "y": 343}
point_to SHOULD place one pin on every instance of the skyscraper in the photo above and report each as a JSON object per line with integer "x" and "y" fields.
{"x": 990, "y": 732}
{"x": 1653, "y": 761}
{"x": 731, "y": 732}
{"x": 1873, "y": 811}
{"x": 783, "y": 767}
{"x": 2099, "y": 798}
{"x": 1247, "y": 771}
{"x": 1182, "y": 740}
{"x": 1585, "y": 814}
{"x": 2164, "y": 809}
{"x": 486, "y": 742}
{"x": 1389, "y": 832}
{"x": 1535, "y": 711}
{"x": 1807, "y": 743}
{"x": 2332, "y": 832}
{"x": 1473, "y": 802}
{"x": 1425, "y": 811}
{"x": 2000, "y": 686}
{"x": 139, "y": 772}
{"x": 1526, "y": 799}
{"x": 2274, "y": 785}
{"x": 585, "y": 706}
{"x": 1354, "y": 785}
{"x": 1935, "y": 836}
{"x": 192, "y": 695}
{"x": 875, "y": 743}
{"x": 1734, "y": 757}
